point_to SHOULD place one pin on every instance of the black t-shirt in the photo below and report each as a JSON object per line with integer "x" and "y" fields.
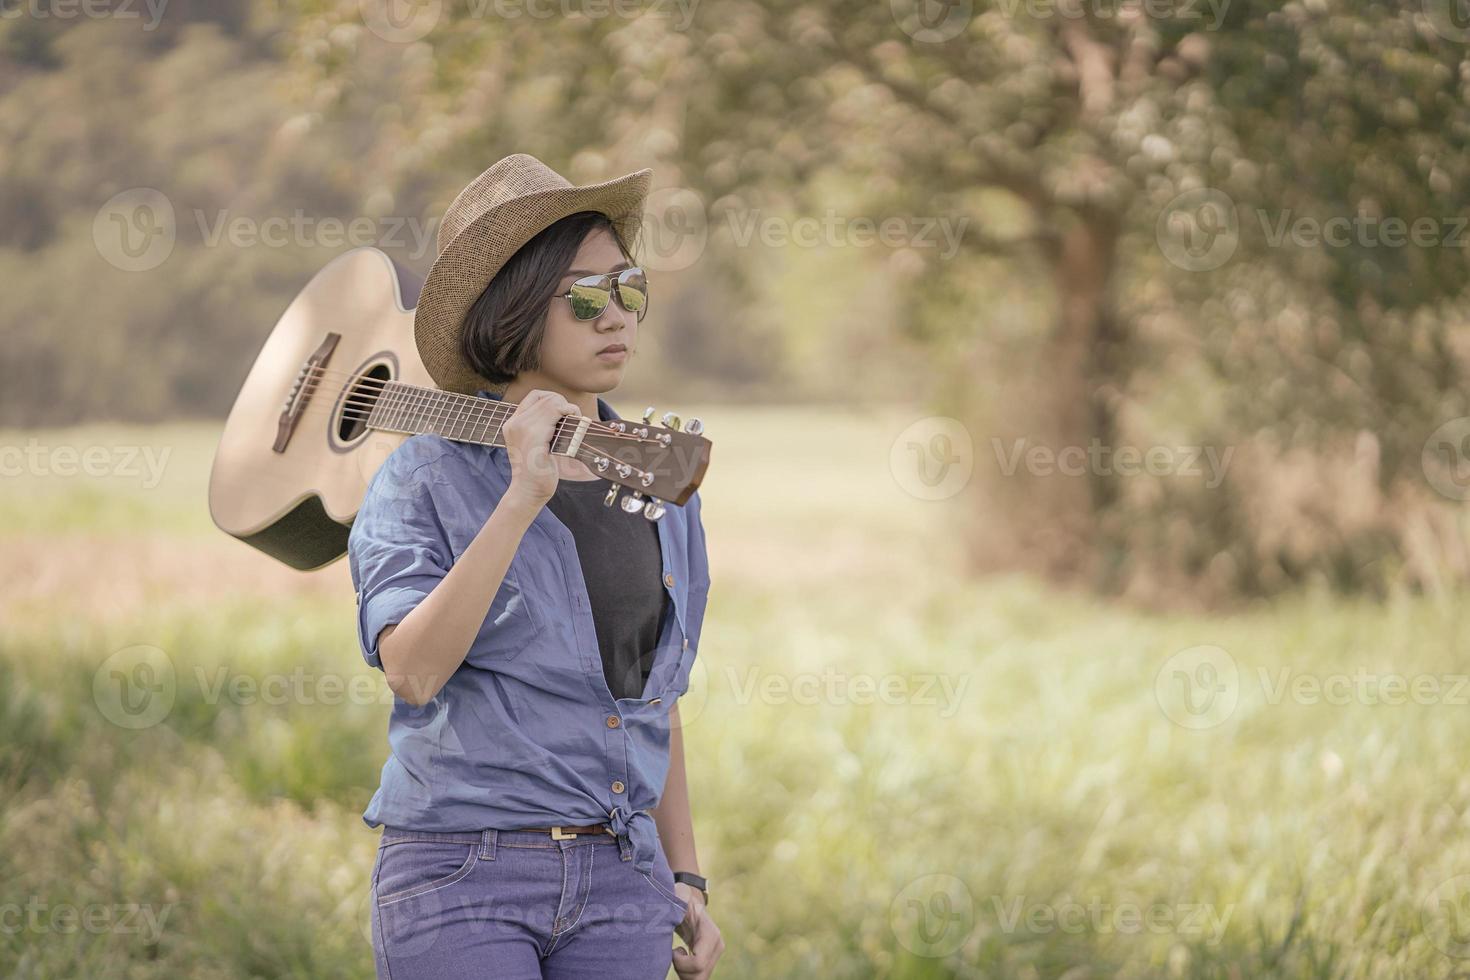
{"x": 622, "y": 565}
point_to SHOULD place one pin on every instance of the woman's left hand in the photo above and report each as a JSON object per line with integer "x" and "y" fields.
{"x": 701, "y": 934}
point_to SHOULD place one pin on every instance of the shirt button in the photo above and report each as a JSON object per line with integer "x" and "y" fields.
{"x": 612, "y": 721}
{"x": 617, "y": 786}
{"x": 669, "y": 579}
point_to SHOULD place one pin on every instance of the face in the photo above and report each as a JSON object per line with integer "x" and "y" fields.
{"x": 571, "y": 349}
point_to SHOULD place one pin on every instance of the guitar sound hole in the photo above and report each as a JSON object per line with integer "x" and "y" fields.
{"x": 361, "y": 397}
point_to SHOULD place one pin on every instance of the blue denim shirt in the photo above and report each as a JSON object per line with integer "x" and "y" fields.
{"x": 525, "y": 733}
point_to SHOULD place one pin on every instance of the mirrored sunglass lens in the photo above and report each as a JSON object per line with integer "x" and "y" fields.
{"x": 588, "y": 299}
{"x": 633, "y": 290}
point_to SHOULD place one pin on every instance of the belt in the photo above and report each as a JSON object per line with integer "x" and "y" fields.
{"x": 566, "y": 833}
{"x": 637, "y": 826}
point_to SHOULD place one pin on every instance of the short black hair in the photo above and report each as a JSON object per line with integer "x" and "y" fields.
{"x": 503, "y": 329}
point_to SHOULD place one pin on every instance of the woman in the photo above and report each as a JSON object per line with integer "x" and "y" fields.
{"x": 534, "y": 802}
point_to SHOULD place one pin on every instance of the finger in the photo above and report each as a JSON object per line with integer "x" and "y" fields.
{"x": 704, "y": 943}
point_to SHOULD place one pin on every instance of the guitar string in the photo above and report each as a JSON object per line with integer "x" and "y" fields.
{"x": 450, "y": 420}
{"x": 419, "y": 402}
{"x": 421, "y": 398}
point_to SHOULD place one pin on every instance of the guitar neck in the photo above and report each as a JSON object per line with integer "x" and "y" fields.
{"x": 415, "y": 410}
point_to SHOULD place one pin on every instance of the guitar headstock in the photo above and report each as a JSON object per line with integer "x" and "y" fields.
{"x": 663, "y": 461}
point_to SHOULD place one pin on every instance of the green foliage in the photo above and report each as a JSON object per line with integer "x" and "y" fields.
{"x": 1048, "y": 775}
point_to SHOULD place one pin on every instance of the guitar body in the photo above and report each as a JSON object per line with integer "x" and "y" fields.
{"x": 298, "y": 504}
{"x": 339, "y": 385}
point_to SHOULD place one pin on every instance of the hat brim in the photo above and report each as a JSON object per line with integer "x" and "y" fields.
{"x": 465, "y": 266}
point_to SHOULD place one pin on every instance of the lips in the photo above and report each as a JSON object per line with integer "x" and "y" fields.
{"x": 611, "y": 348}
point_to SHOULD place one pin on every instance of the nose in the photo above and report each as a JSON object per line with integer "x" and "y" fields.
{"x": 614, "y": 318}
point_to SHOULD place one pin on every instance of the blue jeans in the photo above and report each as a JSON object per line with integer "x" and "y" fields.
{"x": 518, "y": 905}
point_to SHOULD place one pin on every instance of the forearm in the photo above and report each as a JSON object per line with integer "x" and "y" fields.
{"x": 672, "y": 815}
{"x": 421, "y": 652}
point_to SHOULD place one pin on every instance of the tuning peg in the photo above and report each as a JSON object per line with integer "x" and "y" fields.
{"x": 694, "y": 426}
{"x": 612, "y": 494}
{"x": 633, "y": 503}
{"x": 654, "y": 509}
{"x": 670, "y": 420}
{"x": 648, "y": 414}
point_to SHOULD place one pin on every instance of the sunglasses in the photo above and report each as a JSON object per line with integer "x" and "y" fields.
{"x": 589, "y": 296}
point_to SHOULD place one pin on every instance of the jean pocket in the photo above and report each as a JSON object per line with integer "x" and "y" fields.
{"x": 410, "y": 868}
{"x": 662, "y": 880}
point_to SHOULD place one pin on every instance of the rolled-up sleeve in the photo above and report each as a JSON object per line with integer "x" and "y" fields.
{"x": 397, "y": 550}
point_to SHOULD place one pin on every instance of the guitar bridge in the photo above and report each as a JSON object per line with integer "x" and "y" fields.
{"x": 300, "y": 395}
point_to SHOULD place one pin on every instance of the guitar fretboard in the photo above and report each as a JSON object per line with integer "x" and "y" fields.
{"x": 464, "y": 418}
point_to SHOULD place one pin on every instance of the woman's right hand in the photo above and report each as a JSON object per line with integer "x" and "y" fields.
{"x": 527, "y": 434}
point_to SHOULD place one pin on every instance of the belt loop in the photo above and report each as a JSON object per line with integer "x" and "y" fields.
{"x": 487, "y": 844}
{"x": 625, "y": 848}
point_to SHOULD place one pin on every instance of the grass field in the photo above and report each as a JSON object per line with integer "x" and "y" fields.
{"x": 896, "y": 772}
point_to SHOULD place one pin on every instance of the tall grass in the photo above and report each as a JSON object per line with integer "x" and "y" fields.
{"x": 895, "y": 771}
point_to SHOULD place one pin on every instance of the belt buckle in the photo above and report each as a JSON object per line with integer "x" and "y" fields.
{"x": 557, "y": 834}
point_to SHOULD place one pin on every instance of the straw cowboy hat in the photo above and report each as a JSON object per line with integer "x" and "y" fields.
{"x": 501, "y": 210}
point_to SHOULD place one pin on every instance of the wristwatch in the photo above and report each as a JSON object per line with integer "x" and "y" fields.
{"x": 690, "y": 878}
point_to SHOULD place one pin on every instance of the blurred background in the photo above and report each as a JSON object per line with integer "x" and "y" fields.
{"x": 1087, "y": 519}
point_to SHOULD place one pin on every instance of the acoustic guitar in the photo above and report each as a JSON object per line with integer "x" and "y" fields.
{"x": 339, "y": 385}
